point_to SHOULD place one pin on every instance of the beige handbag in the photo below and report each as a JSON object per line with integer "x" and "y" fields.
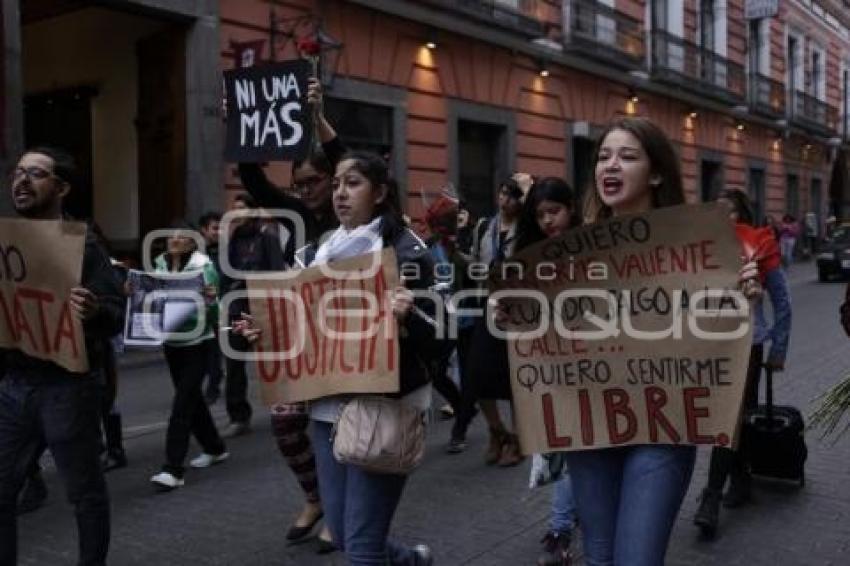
{"x": 380, "y": 435}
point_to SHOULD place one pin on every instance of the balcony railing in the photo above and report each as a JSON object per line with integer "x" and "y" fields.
{"x": 598, "y": 30}
{"x": 693, "y": 67}
{"x": 813, "y": 113}
{"x": 767, "y": 97}
{"x": 522, "y": 18}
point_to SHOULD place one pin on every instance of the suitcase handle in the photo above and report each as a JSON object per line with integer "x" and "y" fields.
{"x": 768, "y": 391}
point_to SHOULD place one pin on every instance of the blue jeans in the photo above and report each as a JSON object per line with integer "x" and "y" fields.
{"x": 64, "y": 412}
{"x": 359, "y": 507}
{"x": 627, "y": 500}
{"x": 563, "y": 519}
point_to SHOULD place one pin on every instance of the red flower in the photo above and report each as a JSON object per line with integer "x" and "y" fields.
{"x": 308, "y": 46}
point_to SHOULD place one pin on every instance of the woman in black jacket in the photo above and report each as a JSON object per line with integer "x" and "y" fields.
{"x": 359, "y": 505}
{"x": 311, "y": 179}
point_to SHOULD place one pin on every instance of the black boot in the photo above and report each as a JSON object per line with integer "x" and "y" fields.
{"x": 33, "y": 495}
{"x": 114, "y": 457}
{"x": 739, "y": 492}
{"x": 708, "y": 514}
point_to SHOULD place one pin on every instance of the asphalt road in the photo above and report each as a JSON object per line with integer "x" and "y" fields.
{"x": 237, "y": 513}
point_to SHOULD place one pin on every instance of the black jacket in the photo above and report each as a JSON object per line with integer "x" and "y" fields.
{"x": 268, "y": 195}
{"x": 99, "y": 277}
{"x": 254, "y": 246}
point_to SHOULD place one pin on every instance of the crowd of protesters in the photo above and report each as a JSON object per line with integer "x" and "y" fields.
{"x": 625, "y": 499}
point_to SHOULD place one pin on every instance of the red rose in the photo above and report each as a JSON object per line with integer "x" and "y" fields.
{"x": 308, "y": 46}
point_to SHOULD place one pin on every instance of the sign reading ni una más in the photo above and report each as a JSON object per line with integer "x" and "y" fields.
{"x": 268, "y": 118}
{"x": 757, "y": 9}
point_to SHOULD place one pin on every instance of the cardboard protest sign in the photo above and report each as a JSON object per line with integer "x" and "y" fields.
{"x": 41, "y": 261}
{"x": 268, "y": 117}
{"x": 645, "y": 342}
{"x": 327, "y": 333}
{"x": 161, "y": 304}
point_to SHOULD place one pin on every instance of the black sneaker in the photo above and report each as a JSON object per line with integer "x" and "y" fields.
{"x": 739, "y": 492}
{"x": 708, "y": 513}
{"x": 34, "y": 494}
{"x": 456, "y": 445}
{"x": 556, "y": 549}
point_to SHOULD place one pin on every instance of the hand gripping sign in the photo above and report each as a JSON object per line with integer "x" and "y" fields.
{"x": 327, "y": 329}
{"x": 41, "y": 261}
{"x": 629, "y": 331}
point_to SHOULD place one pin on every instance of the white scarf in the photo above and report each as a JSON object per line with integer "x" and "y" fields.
{"x": 344, "y": 243}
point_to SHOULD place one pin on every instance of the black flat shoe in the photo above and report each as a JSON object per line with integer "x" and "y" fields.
{"x": 325, "y": 546}
{"x": 297, "y": 533}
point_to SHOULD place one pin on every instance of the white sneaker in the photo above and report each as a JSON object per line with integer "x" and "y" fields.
{"x": 167, "y": 481}
{"x": 206, "y": 460}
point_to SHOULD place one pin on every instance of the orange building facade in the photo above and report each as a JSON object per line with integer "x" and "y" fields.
{"x": 465, "y": 92}
{"x": 453, "y": 91}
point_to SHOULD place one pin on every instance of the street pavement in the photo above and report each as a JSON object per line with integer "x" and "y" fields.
{"x": 236, "y": 513}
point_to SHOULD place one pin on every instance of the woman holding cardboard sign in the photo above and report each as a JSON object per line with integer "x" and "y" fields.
{"x": 359, "y": 504}
{"x": 548, "y": 212}
{"x": 628, "y": 497}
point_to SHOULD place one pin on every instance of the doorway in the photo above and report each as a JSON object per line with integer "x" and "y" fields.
{"x": 482, "y": 163}
{"x": 756, "y": 191}
{"x": 161, "y": 128}
{"x": 62, "y": 119}
{"x": 582, "y": 167}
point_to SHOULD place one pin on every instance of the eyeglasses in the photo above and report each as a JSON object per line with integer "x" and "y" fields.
{"x": 307, "y": 184}
{"x": 34, "y": 173}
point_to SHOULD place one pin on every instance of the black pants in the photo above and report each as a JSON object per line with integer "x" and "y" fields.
{"x": 214, "y": 372}
{"x": 190, "y": 414}
{"x": 725, "y": 461}
{"x": 64, "y": 411}
{"x": 466, "y": 411}
{"x": 236, "y": 386}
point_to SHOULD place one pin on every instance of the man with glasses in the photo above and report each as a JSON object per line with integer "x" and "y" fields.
{"x": 41, "y": 400}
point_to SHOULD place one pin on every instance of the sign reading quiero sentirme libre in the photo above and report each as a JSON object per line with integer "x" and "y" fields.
{"x": 268, "y": 118}
{"x": 631, "y": 331}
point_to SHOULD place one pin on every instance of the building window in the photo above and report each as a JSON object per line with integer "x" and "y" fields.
{"x": 756, "y": 191}
{"x": 792, "y": 196}
{"x": 706, "y": 25}
{"x": 818, "y": 87}
{"x": 362, "y": 125}
{"x": 845, "y": 98}
{"x": 711, "y": 179}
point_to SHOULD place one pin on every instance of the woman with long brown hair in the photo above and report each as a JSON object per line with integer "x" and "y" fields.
{"x": 628, "y": 497}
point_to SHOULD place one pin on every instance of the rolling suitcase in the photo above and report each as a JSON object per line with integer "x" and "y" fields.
{"x": 773, "y": 439}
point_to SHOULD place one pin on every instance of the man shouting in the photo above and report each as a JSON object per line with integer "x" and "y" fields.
{"x": 41, "y": 400}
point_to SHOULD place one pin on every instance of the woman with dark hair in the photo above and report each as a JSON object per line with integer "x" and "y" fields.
{"x": 359, "y": 505}
{"x": 186, "y": 358}
{"x": 549, "y": 210}
{"x": 311, "y": 202}
{"x": 628, "y": 497}
{"x": 760, "y": 246}
{"x": 487, "y": 359}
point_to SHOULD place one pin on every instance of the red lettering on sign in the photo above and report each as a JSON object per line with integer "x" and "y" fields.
{"x": 586, "y": 417}
{"x": 265, "y": 374}
{"x": 552, "y": 437}
{"x": 66, "y": 329}
{"x": 656, "y": 399}
{"x": 617, "y": 405}
{"x": 21, "y": 324}
{"x": 41, "y": 297}
{"x": 692, "y": 413}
